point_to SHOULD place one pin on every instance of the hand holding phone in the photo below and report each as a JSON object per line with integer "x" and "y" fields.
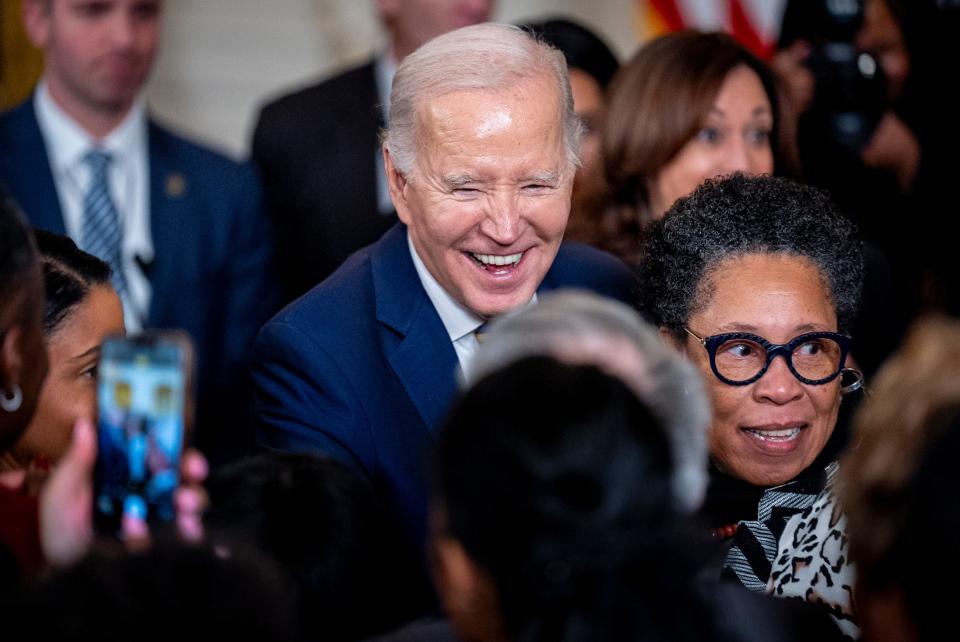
{"x": 66, "y": 502}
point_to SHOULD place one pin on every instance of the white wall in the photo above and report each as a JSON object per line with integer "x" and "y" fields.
{"x": 221, "y": 59}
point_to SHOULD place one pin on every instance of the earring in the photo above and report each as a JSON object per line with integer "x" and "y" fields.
{"x": 11, "y": 402}
{"x": 854, "y": 385}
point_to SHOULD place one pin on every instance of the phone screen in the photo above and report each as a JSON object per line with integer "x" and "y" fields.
{"x": 140, "y": 392}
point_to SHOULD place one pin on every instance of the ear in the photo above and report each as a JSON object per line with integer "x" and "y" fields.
{"x": 11, "y": 360}
{"x": 396, "y": 184}
{"x": 36, "y": 21}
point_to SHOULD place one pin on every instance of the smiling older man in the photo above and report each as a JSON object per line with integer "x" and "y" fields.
{"x": 480, "y": 159}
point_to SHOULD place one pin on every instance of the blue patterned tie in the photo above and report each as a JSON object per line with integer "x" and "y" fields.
{"x": 101, "y": 234}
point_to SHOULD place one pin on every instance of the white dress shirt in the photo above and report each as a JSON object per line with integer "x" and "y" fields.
{"x": 461, "y": 323}
{"x": 67, "y": 144}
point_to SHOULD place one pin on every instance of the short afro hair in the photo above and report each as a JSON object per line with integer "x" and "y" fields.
{"x": 739, "y": 215}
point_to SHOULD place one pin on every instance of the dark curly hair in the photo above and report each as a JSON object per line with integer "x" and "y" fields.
{"x": 738, "y": 215}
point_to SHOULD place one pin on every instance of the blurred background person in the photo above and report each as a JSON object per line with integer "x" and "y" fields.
{"x": 865, "y": 126}
{"x": 180, "y": 225}
{"x": 898, "y": 489}
{"x": 688, "y": 106}
{"x": 168, "y": 592}
{"x": 23, "y": 366}
{"x": 875, "y": 128}
{"x": 334, "y": 556}
{"x": 81, "y": 310}
{"x": 591, "y": 64}
{"x": 757, "y": 280}
{"x": 318, "y": 148}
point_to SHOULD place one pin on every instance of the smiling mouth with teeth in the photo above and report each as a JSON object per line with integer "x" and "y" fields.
{"x": 496, "y": 260}
{"x": 787, "y": 434}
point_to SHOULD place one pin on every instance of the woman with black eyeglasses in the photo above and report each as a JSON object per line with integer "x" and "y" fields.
{"x": 757, "y": 281}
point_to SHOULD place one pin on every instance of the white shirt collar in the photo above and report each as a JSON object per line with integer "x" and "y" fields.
{"x": 458, "y": 320}
{"x": 68, "y": 142}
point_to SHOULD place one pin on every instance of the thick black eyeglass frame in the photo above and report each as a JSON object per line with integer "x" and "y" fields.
{"x": 713, "y": 342}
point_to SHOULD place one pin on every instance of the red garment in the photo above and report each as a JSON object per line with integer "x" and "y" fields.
{"x": 20, "y": 529}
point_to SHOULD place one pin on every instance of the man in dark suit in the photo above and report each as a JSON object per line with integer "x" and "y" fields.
{"x": 318, "y": 151}
{"x": 185, "y": 233}
{"x": 480, "y": 160}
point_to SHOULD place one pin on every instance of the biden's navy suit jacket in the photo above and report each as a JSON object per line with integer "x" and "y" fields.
{"x": 362, "y": 368}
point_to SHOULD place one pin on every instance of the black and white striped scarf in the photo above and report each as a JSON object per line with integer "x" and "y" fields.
{"x": 754, "y": 545}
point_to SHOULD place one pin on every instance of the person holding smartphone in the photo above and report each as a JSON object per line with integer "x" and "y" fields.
{"x": 56, "y": 527}
{"x": 81, "y": 309}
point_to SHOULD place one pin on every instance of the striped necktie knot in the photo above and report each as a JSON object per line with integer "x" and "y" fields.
{"x": 101, "y": 234}
{"x": 98, "y": 160}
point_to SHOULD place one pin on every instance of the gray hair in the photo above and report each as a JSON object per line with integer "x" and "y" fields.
{"x": 486, "y": 57}
{"x": 586, "y": 329}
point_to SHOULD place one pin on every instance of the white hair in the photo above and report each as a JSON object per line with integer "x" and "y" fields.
{"x": 480, "y": 57}
{"x": 583, "y": 328}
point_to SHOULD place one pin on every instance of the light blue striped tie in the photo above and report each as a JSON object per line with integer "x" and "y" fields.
{"x": 101, "y": 234}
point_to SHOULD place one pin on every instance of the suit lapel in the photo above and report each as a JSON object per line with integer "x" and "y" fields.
{"x": 417, "y": 346}
{"x": 26, "y": 169}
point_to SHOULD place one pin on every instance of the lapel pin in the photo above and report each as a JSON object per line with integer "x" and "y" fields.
{"x": 176, "y": 185}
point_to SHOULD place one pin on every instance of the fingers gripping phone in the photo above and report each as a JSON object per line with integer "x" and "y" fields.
{"x": 144, "y": 408}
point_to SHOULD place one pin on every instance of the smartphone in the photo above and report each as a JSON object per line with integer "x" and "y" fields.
{"x": 143, "y": 393}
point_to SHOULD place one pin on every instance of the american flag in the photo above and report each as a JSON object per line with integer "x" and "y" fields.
{"x": 755, "y": 23}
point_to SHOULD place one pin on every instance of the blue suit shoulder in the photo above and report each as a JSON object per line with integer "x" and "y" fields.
{"x": 9, "y": 120}
{"x": 312, "y": 363}
{"x": 20, "y": 141}
{"x": 229, "y": 191}
{"x": 192, "y": 155}
{"x": 580, "y": 266}
{"x": 339, "y": 307}
{"x": 13, "y": 118}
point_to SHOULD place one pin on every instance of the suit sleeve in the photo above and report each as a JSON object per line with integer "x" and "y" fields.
{"x": 305, "y": 402}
